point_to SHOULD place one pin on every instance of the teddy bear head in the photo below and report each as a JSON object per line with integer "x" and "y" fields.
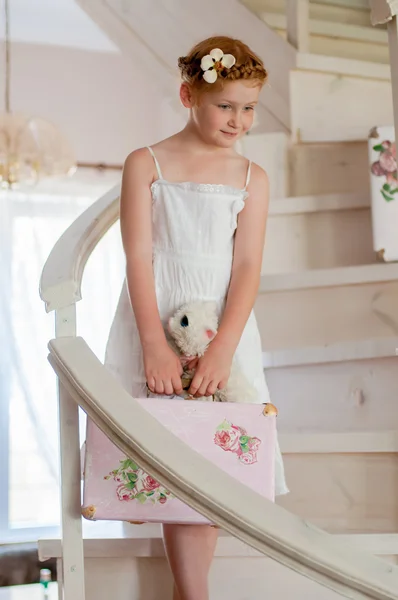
{"x": 193, "y": 327}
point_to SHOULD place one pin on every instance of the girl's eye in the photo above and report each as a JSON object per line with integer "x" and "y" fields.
{"x": 247, "y": 108}
{"x": 224, "y": 106}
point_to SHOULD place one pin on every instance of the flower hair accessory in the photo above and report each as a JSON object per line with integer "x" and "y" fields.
{"x": 214, "y": 62}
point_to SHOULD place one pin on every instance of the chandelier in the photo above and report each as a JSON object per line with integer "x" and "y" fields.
{"x": 30, "y": 147}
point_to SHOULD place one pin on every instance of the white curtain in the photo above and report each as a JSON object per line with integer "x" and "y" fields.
{"x": 30, "y": 224}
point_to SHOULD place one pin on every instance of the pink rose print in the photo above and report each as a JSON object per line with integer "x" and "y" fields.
{"x": 228, "y": 440}
{"x": 123, "y": 493}
{"x": 232, "y": 438}
{"x": 386, "y": 167}
{"x": 254, "y": 443}
{"x": 249, "y": 458}
{"x": 388, "y": 162}
{"x": 137, "y": 485}
{"x": 150, "y": 484}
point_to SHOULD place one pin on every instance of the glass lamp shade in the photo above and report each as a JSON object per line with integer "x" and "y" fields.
{"x": 31, "y": 148}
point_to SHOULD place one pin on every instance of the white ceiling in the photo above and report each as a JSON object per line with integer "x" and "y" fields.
{"x": 54, "y": 22}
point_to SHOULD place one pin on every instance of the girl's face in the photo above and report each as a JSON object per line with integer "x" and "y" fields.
{"x": 221, "y": 118}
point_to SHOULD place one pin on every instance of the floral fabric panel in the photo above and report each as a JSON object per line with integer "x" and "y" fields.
{"x": 233, "y": 438}
{"x": 135, "y": 484}
{"x": 386, "y": 167}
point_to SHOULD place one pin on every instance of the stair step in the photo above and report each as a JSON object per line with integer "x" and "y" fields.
{"x": 343, "y": 66}
{"x": 320, "y": 168}
{"x": 339, "y": 11}
{"x": 341, "y": 31}
{"x": 324, "y": 105}
{"x": 323, "y": 278}
{"x": 318, "y": 203}
{"x": 332, "y": 353}
{"x": 318, "y": 232}
{"x": 109, "y": 539}
{"x": 345, "y": 387}
{"x": 362, "y": 442}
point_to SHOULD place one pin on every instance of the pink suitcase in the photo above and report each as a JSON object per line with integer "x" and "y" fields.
{"x": 239, "y": 438}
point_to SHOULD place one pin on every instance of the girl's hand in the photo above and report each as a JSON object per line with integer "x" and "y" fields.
{"x": 163, "y": 369}
{"x": 212, "y": 371}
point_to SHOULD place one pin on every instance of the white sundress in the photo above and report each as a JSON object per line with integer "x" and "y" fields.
{"x": 193, "y": 226}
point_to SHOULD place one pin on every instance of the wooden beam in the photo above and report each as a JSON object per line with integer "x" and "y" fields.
{"x": 298, "y": 13}
{"x": 382, "y": 11}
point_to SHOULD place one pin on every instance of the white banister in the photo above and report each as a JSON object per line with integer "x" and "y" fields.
{"x": 60, "y": 284}
{"x": 60, "y": 288}
{"x": 298, "y": 14}
{"x": 72, "y": 538}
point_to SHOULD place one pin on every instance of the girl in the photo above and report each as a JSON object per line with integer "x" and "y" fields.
{"x": 193, "y": 215}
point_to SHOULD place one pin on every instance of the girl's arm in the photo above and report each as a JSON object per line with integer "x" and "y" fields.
{"x": 162, "y": 366}
{"x": 246, "y": 268}
{"x": 214, "y": 367}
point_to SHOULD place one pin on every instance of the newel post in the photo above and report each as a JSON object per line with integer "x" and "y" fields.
{"x": 72, "y": 535}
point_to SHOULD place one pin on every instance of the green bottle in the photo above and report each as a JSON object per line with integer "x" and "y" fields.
{"x": 45, "y": 578}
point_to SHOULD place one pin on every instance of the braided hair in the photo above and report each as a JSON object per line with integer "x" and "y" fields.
{"x": 248, "y": 65}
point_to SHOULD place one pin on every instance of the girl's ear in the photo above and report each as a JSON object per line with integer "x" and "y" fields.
{"x": 186, "y": 96}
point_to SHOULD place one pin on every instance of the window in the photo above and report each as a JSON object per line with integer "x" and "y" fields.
{"x": 30, "y": 224}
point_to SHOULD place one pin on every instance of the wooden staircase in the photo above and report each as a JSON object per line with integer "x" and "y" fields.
{"x": 337, "y": 28}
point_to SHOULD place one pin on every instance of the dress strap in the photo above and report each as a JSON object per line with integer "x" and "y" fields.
{"x": 156, "y": 162}
{"x": 249, "y": 168}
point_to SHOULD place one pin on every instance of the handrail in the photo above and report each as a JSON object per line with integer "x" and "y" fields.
{"x": 383, "y": 11}
{"x": 60, "y": 283}
{"x": 242, "y": 512}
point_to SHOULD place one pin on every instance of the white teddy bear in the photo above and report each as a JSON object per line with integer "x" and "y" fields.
{"x": 191, "y": 329}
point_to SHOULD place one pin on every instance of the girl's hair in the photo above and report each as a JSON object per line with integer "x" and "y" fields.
{"x": 248, "y": 65}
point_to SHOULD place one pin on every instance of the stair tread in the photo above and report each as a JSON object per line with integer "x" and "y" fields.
{"x": 338, "y": 276}
{"x": 146, "y": 540}
{"x": 343, "y": 66}
{"x": 318, "y": 203}
{"x": 365, "y": 349}
{"x": 331, "y": 29}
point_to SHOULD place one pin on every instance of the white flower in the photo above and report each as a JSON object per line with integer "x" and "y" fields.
{"x": 213, "y": 62}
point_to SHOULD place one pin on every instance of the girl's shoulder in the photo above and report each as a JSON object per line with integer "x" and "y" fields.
{"x": 140, "y": 162}
{"x": 143, "y": 156}
{"x": 258, "y": 174}
{"x": 140, "y": 156}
